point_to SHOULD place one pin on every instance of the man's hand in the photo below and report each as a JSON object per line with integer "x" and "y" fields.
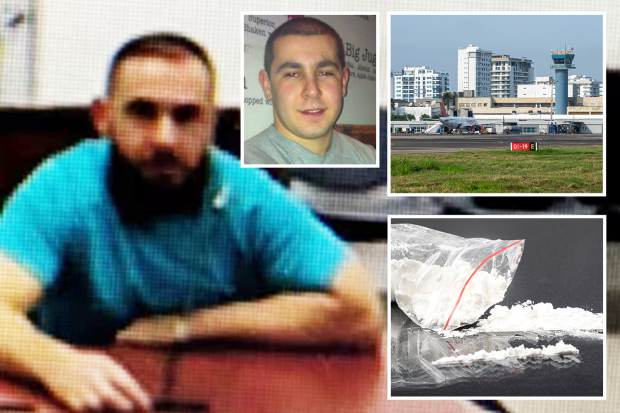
{"x": 82, "y": 380}
{"x": 156, "y": 330}
{"x": 89, "y": 381}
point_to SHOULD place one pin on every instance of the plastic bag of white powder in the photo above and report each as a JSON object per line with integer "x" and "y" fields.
{"x": 443, "y": 281}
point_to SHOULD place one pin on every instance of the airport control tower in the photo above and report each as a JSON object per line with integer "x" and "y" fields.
{"x": 562, "y": 61}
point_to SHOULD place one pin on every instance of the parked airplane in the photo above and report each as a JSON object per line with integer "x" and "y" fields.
{"x": 452, "y": 122}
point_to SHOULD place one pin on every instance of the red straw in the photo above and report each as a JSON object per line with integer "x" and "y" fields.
{"x": 475, "y": 271}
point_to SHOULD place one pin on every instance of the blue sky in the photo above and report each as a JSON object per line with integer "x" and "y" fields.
{"x": 433, "y": 40}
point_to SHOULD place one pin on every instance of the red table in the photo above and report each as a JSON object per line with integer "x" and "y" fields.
{"x": 252, "y": 379}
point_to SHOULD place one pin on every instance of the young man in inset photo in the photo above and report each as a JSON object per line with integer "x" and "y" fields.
{"x": 306, "y": 78}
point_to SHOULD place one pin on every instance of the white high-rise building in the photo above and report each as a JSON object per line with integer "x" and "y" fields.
{"x": 507, "y": 73}
{"x": 542, "y": 88}
{"x": 474, "y": 70}
{"x": 587, "y": 86}
{"x": 578, "y": 86}
{"x": 419, "y": 83}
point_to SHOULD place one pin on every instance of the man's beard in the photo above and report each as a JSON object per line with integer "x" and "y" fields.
{"x": 139, "y": 201}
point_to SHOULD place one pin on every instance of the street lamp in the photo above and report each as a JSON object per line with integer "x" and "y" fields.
{"x": 552, "y": 85}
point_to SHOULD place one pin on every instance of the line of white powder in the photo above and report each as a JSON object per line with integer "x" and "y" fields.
{"x": 515, "y": 352}
{"x": 540, "y": 318}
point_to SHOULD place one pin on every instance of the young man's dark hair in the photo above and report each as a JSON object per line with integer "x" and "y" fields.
{"x": 164, "y": 45}
{"x": 302, "y": 26}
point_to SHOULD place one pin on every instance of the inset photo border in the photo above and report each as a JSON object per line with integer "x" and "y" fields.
{"x": 547, "y": 262}
{"x": 356, "y": 120}
{"x": 514, "y": 140}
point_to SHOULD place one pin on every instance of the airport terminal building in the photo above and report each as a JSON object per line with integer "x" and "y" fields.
{"x": 528, "y": 105}
{"x": 518, "y": 124}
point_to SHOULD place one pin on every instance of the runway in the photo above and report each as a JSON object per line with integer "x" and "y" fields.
{"x": 430, "y": 144}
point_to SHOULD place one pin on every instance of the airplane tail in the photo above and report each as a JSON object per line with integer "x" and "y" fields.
{"x": 443, "y": 110}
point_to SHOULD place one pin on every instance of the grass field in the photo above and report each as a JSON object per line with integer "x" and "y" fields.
{"x": 552, "y": 170}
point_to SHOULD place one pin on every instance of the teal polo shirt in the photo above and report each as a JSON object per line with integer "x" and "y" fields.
{"x": 99, "y": 274}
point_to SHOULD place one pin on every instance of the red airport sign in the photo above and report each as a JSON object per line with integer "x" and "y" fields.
{"x": 524, "y": 146}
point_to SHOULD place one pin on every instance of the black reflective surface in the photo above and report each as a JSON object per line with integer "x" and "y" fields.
{"x": 562, "y": 264}
{"x": 413, "y": 374}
